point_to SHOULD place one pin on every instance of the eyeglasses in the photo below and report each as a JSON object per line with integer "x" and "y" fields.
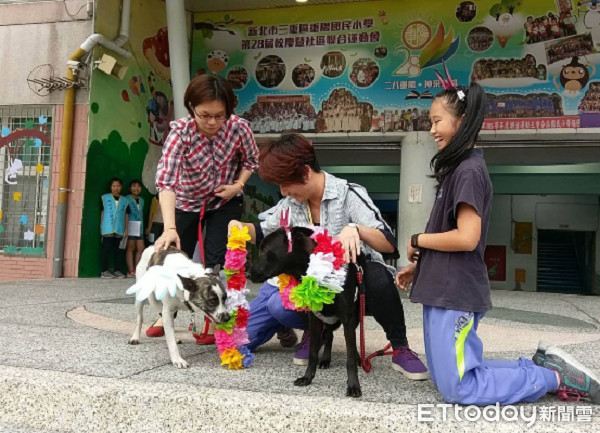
{"x": 208, "y": 117}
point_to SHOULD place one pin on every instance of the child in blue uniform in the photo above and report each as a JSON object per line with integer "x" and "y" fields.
{"x": 135, "y": 240}
{"x": 449, "y": 276}
{"x": 113, "y": 226}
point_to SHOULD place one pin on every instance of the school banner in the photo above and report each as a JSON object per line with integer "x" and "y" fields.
{"x": 370, "y": 66}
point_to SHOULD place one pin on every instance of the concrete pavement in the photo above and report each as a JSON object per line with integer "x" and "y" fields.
{"x": 66, "y": 367}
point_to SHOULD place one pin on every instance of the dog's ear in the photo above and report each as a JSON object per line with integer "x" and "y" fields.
{"x": 216, "y": 269}
{"x": 301, "y": 239}
{"x": 188, "y": 284}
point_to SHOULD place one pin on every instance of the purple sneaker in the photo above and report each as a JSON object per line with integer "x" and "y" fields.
{"x": 408, "y": 363}
{"x": 303, "y": 349}
{"x": 301, "y": 355}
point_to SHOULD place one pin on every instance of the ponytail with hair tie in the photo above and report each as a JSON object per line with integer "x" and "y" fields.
{"x": 470, "y": 105}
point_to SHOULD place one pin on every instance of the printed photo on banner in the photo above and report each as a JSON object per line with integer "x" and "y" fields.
{"x": 371, "y": 68}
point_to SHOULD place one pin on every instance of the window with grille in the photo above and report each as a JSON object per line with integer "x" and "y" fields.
{"x": 25, "y": 167}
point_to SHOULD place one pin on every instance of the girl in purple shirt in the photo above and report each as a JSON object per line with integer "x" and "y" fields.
{"x": 449, "y": 276}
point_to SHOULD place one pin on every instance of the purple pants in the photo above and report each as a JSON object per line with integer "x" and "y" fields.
{"x": 267, "y": 316}
{"x": 455, "y": 360}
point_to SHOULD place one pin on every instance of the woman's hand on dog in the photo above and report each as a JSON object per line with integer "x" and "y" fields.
{"x": 168, "y": 237}
{"x": 405, "y": 276}
{"x": 350, "y": 239}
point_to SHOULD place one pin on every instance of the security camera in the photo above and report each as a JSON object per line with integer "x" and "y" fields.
{"x": 110, "y": 66}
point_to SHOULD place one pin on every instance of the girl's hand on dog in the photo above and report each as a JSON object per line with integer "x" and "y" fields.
{"x": 405, "y": 276}
{"x": 168, "y": 237}
{"x": 350, "y": 240}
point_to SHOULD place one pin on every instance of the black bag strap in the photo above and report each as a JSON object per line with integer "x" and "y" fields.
{"x": 388, "y": 233}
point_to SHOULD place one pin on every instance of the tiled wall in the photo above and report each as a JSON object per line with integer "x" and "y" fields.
{"x": 18, "y": 266}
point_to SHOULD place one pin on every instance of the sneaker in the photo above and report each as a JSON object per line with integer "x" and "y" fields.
{"x": 107, "y": 274}
{"x": 576, "y": 381}
{"x": 540, "y": 353}
{"x": 287, "y": 337}
{"x": 303, "y": 349}
{"x": 119, "y": 274}
{"x": 301, "y": 355}
{"x": 130, "y": 274}
{"x": 408, "y": 363}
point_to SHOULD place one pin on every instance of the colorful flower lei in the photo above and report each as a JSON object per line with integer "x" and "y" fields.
{"x": 231, "y": 337}
{"x": 324, "y": 277}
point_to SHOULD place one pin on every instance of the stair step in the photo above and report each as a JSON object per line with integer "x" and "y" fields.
{"x": 566, "y": 286}
{"x": 542, "y": 277}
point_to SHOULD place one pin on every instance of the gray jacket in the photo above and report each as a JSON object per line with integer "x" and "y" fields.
{"x": 342, "y": 203}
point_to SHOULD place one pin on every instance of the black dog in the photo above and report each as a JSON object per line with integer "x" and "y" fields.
{"x": 274, "y": 259}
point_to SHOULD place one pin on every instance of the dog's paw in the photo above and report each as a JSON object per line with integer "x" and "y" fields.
{"x": 353, "y": 391}
{"x": 180, "y": 363}
{"x": 302, "y": 381}
{"x": 133, "y": 341}
{"x": 324, "y": 363}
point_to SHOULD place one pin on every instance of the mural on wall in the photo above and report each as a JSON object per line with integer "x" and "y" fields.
{"x": 129, "y": 119}
{"x": 25, "y": 168}
{"x": 371, "y": 67}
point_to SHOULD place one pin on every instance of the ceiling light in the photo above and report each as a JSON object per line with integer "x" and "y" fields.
{"x": 301, "y": 1}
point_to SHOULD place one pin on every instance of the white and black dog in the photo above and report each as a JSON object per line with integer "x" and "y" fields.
{"x": 170, "y": 281}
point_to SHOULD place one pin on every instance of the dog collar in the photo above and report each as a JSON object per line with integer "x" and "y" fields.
{"x": 188, "y": 305}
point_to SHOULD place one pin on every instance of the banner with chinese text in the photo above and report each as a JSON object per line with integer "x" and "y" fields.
{"x": 370, "y": 66}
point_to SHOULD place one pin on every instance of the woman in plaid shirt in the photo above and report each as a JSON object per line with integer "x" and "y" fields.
{"x": 207, "y": 158}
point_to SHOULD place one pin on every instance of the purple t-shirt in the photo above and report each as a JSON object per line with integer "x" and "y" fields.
{"x": 457, "y": 280}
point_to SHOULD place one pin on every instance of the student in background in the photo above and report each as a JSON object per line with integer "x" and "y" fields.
{"x": 155, "y": 221}
{"x": 135, "y": 227}
{"x": 113, "y": 227}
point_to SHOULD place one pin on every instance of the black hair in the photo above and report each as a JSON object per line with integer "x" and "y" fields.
{"x": 115, "y": 179}
{"x": 208, "y": 88}
{"x": 134, "y": 181}
{"x": 470, "y": 104}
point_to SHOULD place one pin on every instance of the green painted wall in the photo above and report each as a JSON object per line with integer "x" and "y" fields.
{"x": 126, "y": 116}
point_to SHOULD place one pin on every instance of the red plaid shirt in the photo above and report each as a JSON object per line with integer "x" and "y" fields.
{"x": 193, "y": 166}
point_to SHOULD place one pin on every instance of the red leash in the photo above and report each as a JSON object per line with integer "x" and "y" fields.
{"x": 201, "y": 249}
{"x": 365, "y": 362}
{"x": 200, "y": 239}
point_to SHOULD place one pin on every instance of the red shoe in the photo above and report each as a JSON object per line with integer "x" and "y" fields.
{"x": 205, "y": 337}
{"x": 155, "y": 331}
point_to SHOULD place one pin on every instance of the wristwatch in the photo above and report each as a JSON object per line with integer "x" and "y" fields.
{"x": 414, "y": 240}
{"x": 355, "y": 226}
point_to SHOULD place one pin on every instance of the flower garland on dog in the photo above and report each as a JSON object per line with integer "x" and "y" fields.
{"x": 324, "y": 277}
{"x": 231, "y": 337}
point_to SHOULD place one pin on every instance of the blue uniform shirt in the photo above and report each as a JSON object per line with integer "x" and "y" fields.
{"x": 113, "y": 220}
